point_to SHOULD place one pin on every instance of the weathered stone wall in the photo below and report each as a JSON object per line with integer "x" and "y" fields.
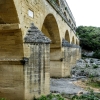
{"x": 69, "y": 55}
{"x": 11, "y": 68}
{"x": 11, "y": 80}
{"x": 69, "y": 58}
{"x": 55, "y": 62}
{"x": 66, "y": 61}
{"x": 37, "y": 71}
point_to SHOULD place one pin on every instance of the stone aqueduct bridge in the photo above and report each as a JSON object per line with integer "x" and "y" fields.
{"x": 31, "y": 53}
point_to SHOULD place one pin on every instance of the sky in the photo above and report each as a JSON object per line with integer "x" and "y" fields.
{"x": 85, "y": 12}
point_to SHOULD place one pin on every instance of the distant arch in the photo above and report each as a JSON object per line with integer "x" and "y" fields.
{"x": 65, "y": 14}
{"x": 77, "y": 42}
{"x": 72, "y": 25}
{"x": 67, "y": 36}
{"x": 69, "y": 21}
{"x": 74, "y": 28}
{"x": 73, "y": 40}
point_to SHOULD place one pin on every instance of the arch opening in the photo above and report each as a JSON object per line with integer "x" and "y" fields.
{"x": 65, "y": 14}
{"x": 72, "y": 25}
{"x": 77, "y": 42}
{"x": 51, "y": 30}
{"x": 8, "y": 14}
{"x": 69, "y": 21}
{"x": 67, "y": 37}
{"x": 73, "y": 40}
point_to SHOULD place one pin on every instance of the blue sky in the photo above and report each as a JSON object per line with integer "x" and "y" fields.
{"x": 85, "y": 12}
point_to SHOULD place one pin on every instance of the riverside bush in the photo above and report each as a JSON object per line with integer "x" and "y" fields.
{"x": 50, "y": 97}
{"x": 2, "y": 99}
{"x": 97, "y": 54}
{"x": 89, "y": 38}
{"x": 89, "y": 96}
{"x": 95, "y": 66}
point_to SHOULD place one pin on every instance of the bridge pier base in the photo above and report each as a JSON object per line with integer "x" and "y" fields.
{"x": 37, "y": 70}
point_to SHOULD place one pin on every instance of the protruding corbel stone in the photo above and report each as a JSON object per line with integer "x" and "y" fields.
{"x": 24, "y": 60}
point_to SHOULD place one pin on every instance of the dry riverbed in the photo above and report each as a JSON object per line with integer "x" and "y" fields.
{"x": 65, "y": 85}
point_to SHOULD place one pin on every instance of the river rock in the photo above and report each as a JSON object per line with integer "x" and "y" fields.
{"x": 86, "y": 67}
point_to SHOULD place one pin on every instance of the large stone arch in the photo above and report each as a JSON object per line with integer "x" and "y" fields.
{"x": 8, "y": 13}
{"x": 51, "y": 30}
{"x": 67, "y": 36}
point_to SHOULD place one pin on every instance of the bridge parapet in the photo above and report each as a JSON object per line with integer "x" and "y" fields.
{"x": 61, "y": 13}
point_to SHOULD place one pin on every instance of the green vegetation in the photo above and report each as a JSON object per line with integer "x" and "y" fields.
{"x": 93, "y": 84}
{"x": 95, "y": 66}
{"x": 89, "y": 96}
{"x": 97, "y": 54}
{"x": 2, "y": 99}
{"x": 50, "y": 97}
{"x": 90, "y": 39}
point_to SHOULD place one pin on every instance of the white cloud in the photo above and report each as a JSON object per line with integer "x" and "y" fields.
{"x": 86, "y": 12}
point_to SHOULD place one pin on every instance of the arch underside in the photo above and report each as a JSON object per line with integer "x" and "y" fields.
{"x": 8, "y": 13}
{"x": 77, "y": 42}
{"x": 67, "y": 36}
{"x": 73, "y": 40}
{"x": 51, "y": 30}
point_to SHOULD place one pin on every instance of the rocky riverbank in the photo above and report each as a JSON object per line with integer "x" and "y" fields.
{"x": 84, "y": 69}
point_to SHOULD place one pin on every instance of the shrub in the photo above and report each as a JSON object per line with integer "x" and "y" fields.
{"x": 95, "y": 66}
{"x": 89, "y": 37}
{"x": 97, "y": 54}
{"x": 51, "y": 97}
{"x": 88, "y": 96}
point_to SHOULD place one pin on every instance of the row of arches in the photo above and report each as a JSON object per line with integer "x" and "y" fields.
{"x": 71, "y": 40}
{"x": 51, "y": 30}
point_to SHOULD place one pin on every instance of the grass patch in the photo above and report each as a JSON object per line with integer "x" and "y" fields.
{"x": 93, "y": 84}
